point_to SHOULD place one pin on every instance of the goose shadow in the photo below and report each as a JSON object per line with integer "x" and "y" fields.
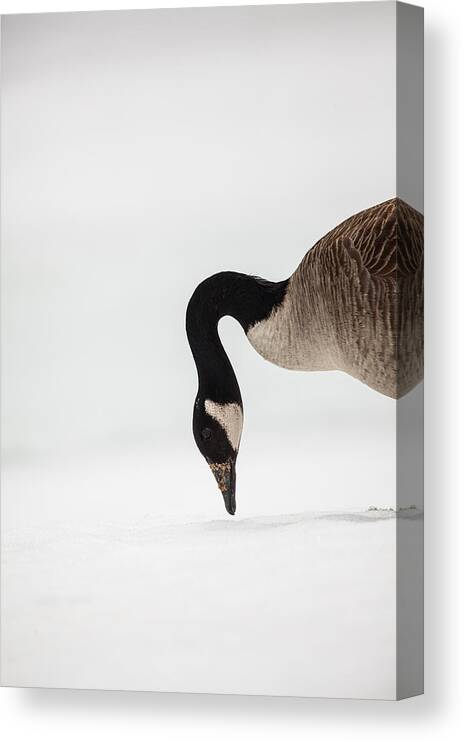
{"x": 265, "y": 523}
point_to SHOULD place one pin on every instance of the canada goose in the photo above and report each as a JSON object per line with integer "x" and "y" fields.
{"x": 354, "y": 304}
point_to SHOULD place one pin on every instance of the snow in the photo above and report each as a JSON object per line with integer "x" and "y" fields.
{"x": 109, "y": 583}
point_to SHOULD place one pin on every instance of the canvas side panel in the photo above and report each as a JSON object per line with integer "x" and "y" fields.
{"x": 409, "y": 424}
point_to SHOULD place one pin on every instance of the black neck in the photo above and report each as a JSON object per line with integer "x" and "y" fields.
{"x": 246, "y": 298}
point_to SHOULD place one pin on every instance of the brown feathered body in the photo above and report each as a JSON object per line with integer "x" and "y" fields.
{"x": 355, "y": 303}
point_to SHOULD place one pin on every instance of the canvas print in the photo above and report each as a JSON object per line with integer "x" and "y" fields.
{"x": 173, "y": 180}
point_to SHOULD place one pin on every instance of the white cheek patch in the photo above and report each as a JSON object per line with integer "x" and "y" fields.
{"x": 229, "y": 416}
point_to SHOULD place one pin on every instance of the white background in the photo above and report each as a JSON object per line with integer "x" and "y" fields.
{"x": 143, "y": 152}
{"x": 210, "y": 718}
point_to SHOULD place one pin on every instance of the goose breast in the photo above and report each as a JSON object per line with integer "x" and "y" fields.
{"x": 355, "y": 303}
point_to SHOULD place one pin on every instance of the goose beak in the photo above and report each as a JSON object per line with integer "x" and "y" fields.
{"x": 229, "y": 496}
{"x": 225, "y": 475}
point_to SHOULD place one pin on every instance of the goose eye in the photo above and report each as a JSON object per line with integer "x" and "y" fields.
{"x": 206, "y": 434}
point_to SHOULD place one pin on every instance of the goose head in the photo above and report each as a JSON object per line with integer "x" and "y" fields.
{"x": 217, "y": 428}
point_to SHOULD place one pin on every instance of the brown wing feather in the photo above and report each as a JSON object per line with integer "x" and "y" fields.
{"x": 388, "y": 237}
{"x": 365, "y": 278}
